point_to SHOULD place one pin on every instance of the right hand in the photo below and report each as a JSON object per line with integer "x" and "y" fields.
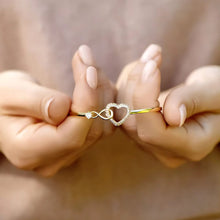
{"x": 188, "y": 128}
{"x": 36, "y": 132}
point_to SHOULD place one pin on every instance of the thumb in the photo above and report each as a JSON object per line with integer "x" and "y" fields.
{"x": 200, "y": 93}
{"x": 21, "y": 97}
{"x": 185, "y": 101}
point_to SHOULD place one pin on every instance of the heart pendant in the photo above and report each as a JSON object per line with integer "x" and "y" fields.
{"x": 118, "y": 106}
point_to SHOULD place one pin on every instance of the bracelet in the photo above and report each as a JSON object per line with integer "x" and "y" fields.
{"x": 108, "y": 114}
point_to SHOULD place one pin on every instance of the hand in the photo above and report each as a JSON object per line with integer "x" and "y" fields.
{"x": 188, "y": 129}
{"x": 36, "y": 132}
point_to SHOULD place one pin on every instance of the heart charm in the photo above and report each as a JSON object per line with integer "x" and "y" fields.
{"x": 118, "y": 106}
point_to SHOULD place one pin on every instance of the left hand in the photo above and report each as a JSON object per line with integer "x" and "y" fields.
{"x": 36, "y": 131}
{"x": 189, "y": 127}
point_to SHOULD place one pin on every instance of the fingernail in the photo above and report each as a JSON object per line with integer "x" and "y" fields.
{"x": 92, "y": 77}
{"x": 85, "y": 54}
{"x": 152, "y": 51}
{"x": 149, "y": 69}
{"x": 182, "y": 110}
{"x": 47, "y": 106}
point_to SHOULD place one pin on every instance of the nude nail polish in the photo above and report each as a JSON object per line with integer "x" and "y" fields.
{"x": 152, "y": 51}
{"x": 92, "y": 77}
{"x": 149, "y": 69}
{"x": 182, "y": 110}
{"x": 85, "y": 54}
{"x": 46, "y": 109}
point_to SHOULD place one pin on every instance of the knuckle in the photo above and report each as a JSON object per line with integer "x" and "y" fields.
{"x": 200, "y": 74}
{"x": 128, "y": 71}
{"x": 18, "y": 158}
{"x": 194, "y": 157}
{"x": 170, "y": 161}
{"x": 75, "y": 144}
{"x": 78, "y": 143}
{"x": 130, "y": 125}
{"x": 70, "y": 144}
{"x": 94, "y": 135}
{"x": 198, "y": 149}
{"x": 145, "y": 137}
{"x": 194, "y": 105}
{"x": 21, "y": 163}
{"x": 195, "y": 154}
{"x": 23, "y": 159}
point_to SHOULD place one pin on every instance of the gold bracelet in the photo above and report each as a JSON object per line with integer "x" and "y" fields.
{"x": 109, "y": 114}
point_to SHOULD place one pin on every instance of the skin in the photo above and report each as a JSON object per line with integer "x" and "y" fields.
{"x": 58, "y": 140}
{"x": 159, "y": 133}
{"x": 33, "y": 140}
{"x": 28, "y": 139}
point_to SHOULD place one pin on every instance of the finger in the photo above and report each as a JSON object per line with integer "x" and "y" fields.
{"x": 125, "y": 87}
{"x": 193, "y": 141}
{"x": 86, "y": 96}
{"x": 203, "y": 135}
{"x": 146, "y": 96}
{"x": 53, "y": 167}
{"x": 50, "y": 142}
{"x": 129, "y": 77}
{"x": 167, "y": 158}
{"x": 109, "y": 96}
{"x": 200, "y": 93}
{"x": 186, "y": 141}
{"x": 153, "y": 52}
{"x": 86, "y": 79}
{"x": 187, "y": 100}
{"x": 105, "y": 93}
{"x": 163, "y": 96}
{"x": 169, "y": 161}
{"x": 131, "y": 71}
{"x": 24, "y": 97}
{"x": 122, "y": 80}
{"x": 151, "y": 125}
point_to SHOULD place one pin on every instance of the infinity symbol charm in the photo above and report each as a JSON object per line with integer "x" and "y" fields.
{"x": 93, "y": 114}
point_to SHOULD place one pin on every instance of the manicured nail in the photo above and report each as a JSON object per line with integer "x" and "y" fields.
{"x": 85, "y": 54}
{"x": 152, "y": 51}
{"x": 149, "y": 69}
{"x": 92, "y": 77}
{"x": 46, "y": 108}
{"x": 182, "y": 110}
